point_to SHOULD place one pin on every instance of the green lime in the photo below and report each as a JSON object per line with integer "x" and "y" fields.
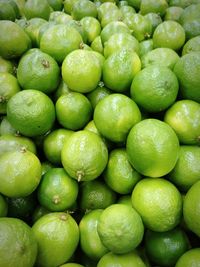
{"x": 78, "y": 26}
{"x": 56, "y": 4}
{"x": 31, "y": 112}
{"x": 166, "y": 248}
{"x": 3, "y": 206}
{"x": 81, "y": 152}
{"x": 125, "y": 199}
{"x": 169, "y": 34}
{"x": 119, "y": 174}
{"x": 6, "y": 127}
{"x": 18, "y": 246}
{"x": 145, "y": 46}
{"x": 187, "y": 71}
{"x": 97, "y": 45}
{"x": 131, "y": 259}
{"x": 20, "y": 173}
{"x": 120, "y": 234}
{"x": 38, "y": 213}
{"x": 81, "y": 71}
{"x": 191, "y": 211}
{"x": 158, "y": 202}
{"x": 42, "y": 29}
{"x": 37, "y": 8}
{"x": 7, "y": 11}
{"x": 59, "y": 17}
{"x": 22, "y": 207}
{"x": 7, "y": 66}
{"x": 57, "y": 235}
{"x": 83, "y": 8}
{"x": 98, "y": 94}
{"x": 118, "y": 112}
{"x": 89, "y": 238}
{"x": 13, "y": 142}
{"x": 119, "y": 70}
{"x": 189, "y": 258}
{"x": 192, "y": 45}
{"x": 182, "y": 3}
{"x": 57, "y": 190}
{"x": 115, "y": 15}
{"x": 187, "y": 169}
{"x": 53, "y": 144}
{"x": 61, "y": 90}
{"x": 105, "y": 9}
{"x": 68, "y": 110}
{"x": 46, "y": 166}
{"x": 92, "y": 27}
{"x": 173, "y": 13}
{"x": 9, "y": 86}
{"x": 134, "y": 3}
{"x": 13, "y": 40}
{"x": 156, "y": 83}
{"x": 95, "y": 195}
{"x": 120, "y": 41}
{"x": 112, "y": 28}
{"x": 184, "y": 117}
{"x": 68, "y": 5}
{"x": 126, "y": 9}
{"x": 164, "y": 56}
{"x": 59, "y": 40}
{"x": 155, "y": 19}
{"x": 38, "y": 70}
{"x": 158, "y": 6}
{"x": 152, "y": 147}
{"x": 139, "y": 25}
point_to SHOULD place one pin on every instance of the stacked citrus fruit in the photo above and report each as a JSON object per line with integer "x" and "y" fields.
{"x": 100, "y": 133}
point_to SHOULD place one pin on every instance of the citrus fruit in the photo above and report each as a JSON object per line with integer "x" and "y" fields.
{"x": 105, "y": 9}
{"x": 68, "y": 110}
{"x": 95, "y": 195}
{"x": 60, "y": 18}
{"x": 173, "y": 13}
{"x": 53, "y": 144}
{"x": 145, "y": 47}
{"x": 3, "y": 207}
{"x": 182, "y": 3}
{"x": 112, "y": 28}
{"x": 56, "y": 4}
{"x": 92, "y": 27}
{"x": 187, "y": 72}
{"x": 119, "y": 70}
{"x": 118, "y": 112}
{"x": 83, "y": 8}
{"x": 158, "y": 202}
{"x": 189, "y": 258}
{"x": 192, "y": 45}
{"x": 115, "y": 15}
{"x": 9, "y": 86}
{"x": 20, "y": 173}
{"x": 184, "y": 117}
{"x": 18, "y": 245}
{"x": 119, "y": 174}
{"x": 131, "y": 259}
{"x": 148, "y": 6}
{"x": 7, "y": 12}
{"x": 81, "y": 71}
{"x": 37, "y": 8}
{"x": 32, "y": 28}
{"x": 191, "y": 209}
{"x": 61, "y": 90}
{"x": 120, "y": 234}
{"x": 22, "y": 207}
{"x": 37, "y": 70}
{"x": 68, "y": 5}
{"x": 13, "y": 40}
{"x": 167, "y": 247}
{"x": 84, "y": 155}
{"x": 139, "y": 25}
{"x": 162, "y": 56}
{"x": 155, "y": 19}
{"x": 96, "y": 45}
{"x": 46, "y": 166}
{"x": 39, "y": 211}
{"x": 31, "y": 112}
{"x": 59, "y": 40}
{"x": 57, "y": 235}
{"x": 13, "y": 143}
{"x": 57, "y": 190}
{"x": 119, "y": 41}
{"x": 187, "y": 169}
{"x": 152, "y": 147}
{"x": 126, "y": 9}
{"x": 98, "y": 94}
{"x": 169, "y": 34}
{"x": 6, "y": 127}
{"x": 6, "y": 66}
{"x": 125, "y": 199}
{"x": 156, "y": 83}
{"x": 89, "y": 238}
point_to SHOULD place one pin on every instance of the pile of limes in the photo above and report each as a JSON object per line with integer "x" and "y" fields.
{"x": 100, "y": 133}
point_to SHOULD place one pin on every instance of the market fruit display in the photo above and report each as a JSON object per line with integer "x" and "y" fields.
{"x": 99, "y": 133}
